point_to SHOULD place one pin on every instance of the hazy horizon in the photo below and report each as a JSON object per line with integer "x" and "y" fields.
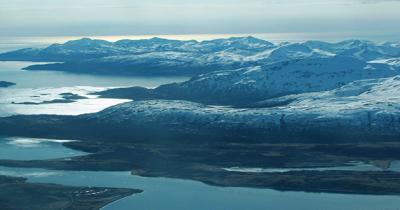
{"x": 354, "y": 18}
{"x": 8, "y": 43}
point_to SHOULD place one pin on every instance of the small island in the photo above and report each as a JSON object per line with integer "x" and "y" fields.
{"x": 16, "y": 194}
{"x": 65, "y": 99}
{"x": 4, "y": 84}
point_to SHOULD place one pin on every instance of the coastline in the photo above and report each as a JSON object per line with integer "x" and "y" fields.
{"x": 16, "y": 192}
{"x": 105, "y": 157}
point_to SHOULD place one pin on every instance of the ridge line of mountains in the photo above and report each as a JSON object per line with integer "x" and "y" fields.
{"x": 242, "y": 84}
{"x": 165, "y": 57}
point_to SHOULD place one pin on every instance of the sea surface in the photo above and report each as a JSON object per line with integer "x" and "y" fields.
{"x": 42, "y": 86}
{"x": 177, "y": 194}
{"x": 20, "y": 148}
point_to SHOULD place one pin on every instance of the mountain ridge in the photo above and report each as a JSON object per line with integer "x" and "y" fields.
{"x": 248, "y": 85}
{"x": 153, "y": 56}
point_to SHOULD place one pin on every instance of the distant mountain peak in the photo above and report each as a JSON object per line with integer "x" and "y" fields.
{"x": 86, "y": 42}
{"x": 356, "y": 43}
{"x": 190, "y": 55}
{"x": 250, "y": 39}
{"x": 159, "y": 39}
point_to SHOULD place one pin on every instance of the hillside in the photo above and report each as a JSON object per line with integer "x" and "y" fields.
{"x": 245, "y": 86}
{"x": 158, "y": 56}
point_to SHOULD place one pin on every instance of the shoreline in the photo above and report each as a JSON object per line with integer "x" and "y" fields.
{"x": 106, "y": 158}
{"x": 56, "y": 196}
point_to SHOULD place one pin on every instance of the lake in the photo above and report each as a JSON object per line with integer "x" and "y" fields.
{"x": 174, "y": 194}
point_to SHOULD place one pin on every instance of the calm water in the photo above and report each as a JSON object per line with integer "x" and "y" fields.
{"x": 175, "y": 194}
{"x": 42, "y": 86}
{"x": 34, "y": 149}
{"x": 11, "y": 71}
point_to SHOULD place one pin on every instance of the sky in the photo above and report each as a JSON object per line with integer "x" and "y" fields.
{"x": 123, "y": 17}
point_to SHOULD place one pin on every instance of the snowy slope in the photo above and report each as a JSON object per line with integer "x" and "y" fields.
{"x": 395, "y": 62}
{"x": 251, "y": 84}
{"x": 361, "y": 49}
{"x": 89, "y": 48}
{"x": 366, "y": 103}
{"x": 190, "y": 57}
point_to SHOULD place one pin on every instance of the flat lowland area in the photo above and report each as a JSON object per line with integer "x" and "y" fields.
{"x": 17, "y": 194}
{"x": 206, "y": 163}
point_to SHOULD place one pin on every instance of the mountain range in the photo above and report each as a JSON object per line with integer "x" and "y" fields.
{"x": 249, "y": 85}
{"x": 244, "y": 86}
{"x": 165, "y": 57}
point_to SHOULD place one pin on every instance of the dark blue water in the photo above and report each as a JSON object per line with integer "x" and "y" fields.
{"x": 176, "y": 194}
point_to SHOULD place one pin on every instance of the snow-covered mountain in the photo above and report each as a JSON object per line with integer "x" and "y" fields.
{"x": 343, "y": 90}
{"x": 395, "y": 62}
{"x": 162, "y": 56}
{"x": 166, "y": 63}
{"x": 248, "y": 85}
{"x": 90, "y": 48}
{"x": 378, "y": 98}
{"x": 362, "y": 50}
{"x": 369, "y": 107}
